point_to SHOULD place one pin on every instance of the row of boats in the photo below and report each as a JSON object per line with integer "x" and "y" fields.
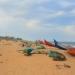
{"x": 70, "y": 49}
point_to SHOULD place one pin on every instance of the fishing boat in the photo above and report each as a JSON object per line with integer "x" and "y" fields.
{"x": 59, "y": 45}
{"x": 71, "y": 51}
{"x": 48, "y": 43}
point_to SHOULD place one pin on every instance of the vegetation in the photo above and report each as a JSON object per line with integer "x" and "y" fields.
{"x": 9, "y": 38}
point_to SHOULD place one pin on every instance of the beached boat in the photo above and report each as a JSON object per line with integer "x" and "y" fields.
{"x": 71, "y": 51}
{"x": 48, "y": 43}
{"x": 59, "y": 46}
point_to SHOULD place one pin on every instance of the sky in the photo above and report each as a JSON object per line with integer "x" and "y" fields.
{"x": 38, "y": 19}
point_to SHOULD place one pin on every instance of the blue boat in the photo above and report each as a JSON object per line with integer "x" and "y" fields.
{"x": 59, "y": 46}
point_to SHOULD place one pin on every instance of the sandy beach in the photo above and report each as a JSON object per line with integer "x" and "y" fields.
{"x": 12, "y": 62}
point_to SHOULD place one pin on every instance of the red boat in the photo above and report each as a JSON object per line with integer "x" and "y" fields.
{"x": 48, "y": 43}
{"x": 71, "y": 51}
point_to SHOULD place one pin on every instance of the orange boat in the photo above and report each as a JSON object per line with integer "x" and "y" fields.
{"x": 71, "y": 51}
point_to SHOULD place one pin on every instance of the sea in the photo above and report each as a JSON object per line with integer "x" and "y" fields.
{"x": 72, "y": 44}
{"x": 66, "y": 44}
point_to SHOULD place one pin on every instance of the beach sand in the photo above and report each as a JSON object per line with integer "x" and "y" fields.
{"x": 12, "y": 62}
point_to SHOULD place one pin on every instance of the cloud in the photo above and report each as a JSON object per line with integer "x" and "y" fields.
{"x": 37, "y": 19}
{"x": 72, "y": 12}
{"x": 56, "y": 14}
{"x": 32, "y": 24}
{"x": 5, "y": 19}
{"x": 65, "y": 3}
{"x": 3, "y": 1}
{"x": 70, "y": 30}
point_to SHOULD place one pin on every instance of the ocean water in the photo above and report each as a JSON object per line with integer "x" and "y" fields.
{"x": 66, "y": 44}
{"x": 72, "y": 44}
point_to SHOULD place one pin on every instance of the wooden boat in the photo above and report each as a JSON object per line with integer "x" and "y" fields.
{"x": 71, "y": 51}
{"x": 59, "y": 46}
{"x": 48, "y": 43}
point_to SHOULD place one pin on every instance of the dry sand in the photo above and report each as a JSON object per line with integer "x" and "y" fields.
{"x": 14, "y": 63}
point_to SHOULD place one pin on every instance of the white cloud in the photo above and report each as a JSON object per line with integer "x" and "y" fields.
{"x": 35, "y": 1}
{"x": 25, "y": 24}
{"x": 55, "y": 14}
{"x": 65, "y": 3}
{"x": 29, "y": 3}
{"x": 72, "y": 12}
{"x": 59, "y": 13}
{"x": 5, "y": 20}
{"x": 70, "y": 30}
{"x": 66, "y": 32}
{"x": 32, "y": 24}
{"x": 3, "y": 1}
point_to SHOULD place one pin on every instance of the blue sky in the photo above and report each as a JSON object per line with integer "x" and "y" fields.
{"x": 38, "y": 19}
